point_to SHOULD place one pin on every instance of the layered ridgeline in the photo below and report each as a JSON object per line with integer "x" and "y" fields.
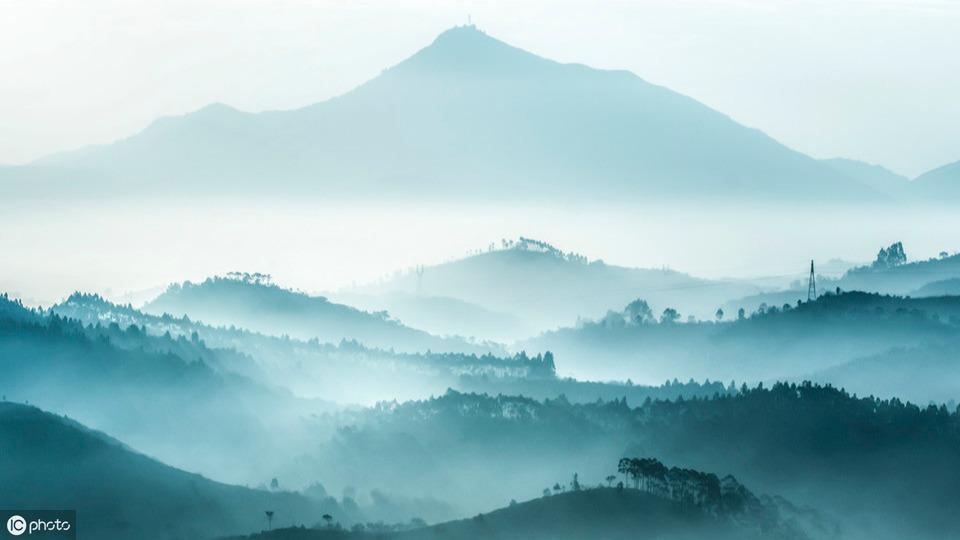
{"x": 921, "y": 373}
{"x": 467, "y": 116}
{"x": 891, "y": 272}
{"x": 668, "y": 504}
{"x": 48, "y": 461}
{"x": 439, "y": 315}
{"x": 875, "y": 176}
{"x": 311, "y": 368}
{"x": 171, "y": 397}
{"x": 942, "y": 183}
{"x": 250, "y": 301}
{"x": 317, "y": 370}
{"x": 885, "y": 469}
{"x": 545, "y": 287}
{"x": 775, "y": 342}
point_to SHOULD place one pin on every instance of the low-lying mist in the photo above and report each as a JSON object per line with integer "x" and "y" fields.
{"x": 136, "y": 246}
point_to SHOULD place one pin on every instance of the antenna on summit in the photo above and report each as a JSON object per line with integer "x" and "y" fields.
{"x": 812, "y": 285}
{"x": 469, "y": 20}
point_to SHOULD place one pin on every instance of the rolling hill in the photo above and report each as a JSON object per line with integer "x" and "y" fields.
{"x": 926, "y": 373}
{"x": 582, "y": 515}
{"x": 943, "y": 287}
{"x": 901, "y": 278}
{"x": 267, "y": 308}
{"x": 875, "y": 176}
{"x": 48, "y": 461}
{"x": 440, "y": 315}
{"x": 885, "y": 468}
{"x": 308, "y": 368}
{"x": 546, "y": 287}
{"x": 468, "y": 117}
{"x": 781, "y": 341}
{"x": 940, "y": 182}
{"x": 180, "y": 409}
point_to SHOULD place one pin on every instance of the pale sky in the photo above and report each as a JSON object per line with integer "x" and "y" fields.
{"x": 872, "y": 80}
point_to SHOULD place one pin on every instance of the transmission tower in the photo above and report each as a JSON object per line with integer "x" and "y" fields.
{"x": 419, "y": 271}
{"x": 812, "y": 286}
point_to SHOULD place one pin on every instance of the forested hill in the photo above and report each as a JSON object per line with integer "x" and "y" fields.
{"x": 858, "y": 458}
{"x": 307, "y": 367}
{"x": 47, "y": 461}
{"x": 314, "y": 369}
{"x": 138, "y": 387}
{"x": 252, "y": 302}
{"x": 590, "y": 513}
{"x": 891, "y": 273}
{"x": 775, "y": 342}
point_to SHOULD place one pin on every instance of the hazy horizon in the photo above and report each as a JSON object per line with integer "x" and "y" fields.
{"x": 321, "y": 247}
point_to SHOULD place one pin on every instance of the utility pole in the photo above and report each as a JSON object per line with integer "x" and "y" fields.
{"x": 812, "y": 285}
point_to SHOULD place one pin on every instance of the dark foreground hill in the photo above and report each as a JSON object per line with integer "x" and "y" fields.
{"x": 886, "y": 468}
{"x": 608, "y": 513}
{"x": 47, "y": 461}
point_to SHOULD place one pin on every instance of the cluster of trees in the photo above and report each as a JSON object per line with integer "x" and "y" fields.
{"x": 539, "y": 246}
{"x": 890, "y": 256}
{"x": 578, "y": 391}
{"x": 686, "y": 486}
{"x": 255, "y": 278}
{"x": 638, "y": 313}
{"x": 859, "y": 454}
{"x": 891, "y": 272}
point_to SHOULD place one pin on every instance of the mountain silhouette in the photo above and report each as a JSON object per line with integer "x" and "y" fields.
{"x": 468, "y": 116}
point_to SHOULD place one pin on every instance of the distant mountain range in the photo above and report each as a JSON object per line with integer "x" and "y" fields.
{"x": 466, "y": 117}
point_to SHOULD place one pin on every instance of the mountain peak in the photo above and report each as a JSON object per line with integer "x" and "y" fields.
{"x": 465, "y": 31}
{"x": 467, "y": 48}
